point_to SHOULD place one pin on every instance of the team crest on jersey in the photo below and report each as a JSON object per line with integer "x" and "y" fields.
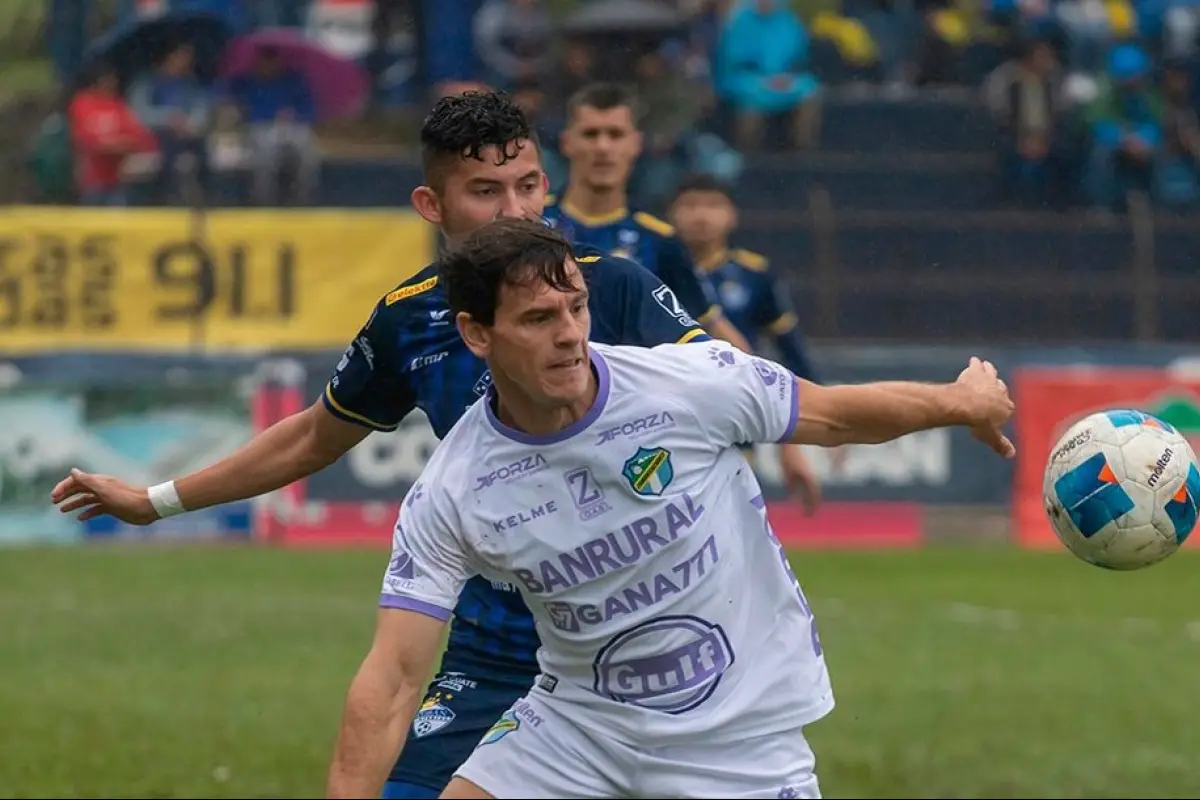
{"x": 503, "y": 727}
{"x": 649, "y": 471}
{"x": 432, "y": 716}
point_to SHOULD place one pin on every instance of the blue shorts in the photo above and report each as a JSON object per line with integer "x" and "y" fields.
{"x": 458, "y": 709}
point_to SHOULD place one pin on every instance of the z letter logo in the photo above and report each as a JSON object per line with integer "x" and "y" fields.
{"x": 670, "y": 303}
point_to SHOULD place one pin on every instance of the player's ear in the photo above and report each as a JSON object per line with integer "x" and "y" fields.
{"x": 474, "y": 334}
{"x": 427, "y": 203}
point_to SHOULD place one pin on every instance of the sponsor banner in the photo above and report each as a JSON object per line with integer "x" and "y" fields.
{"x": 173, "y": 280}
{"x": 143, "y": 433}
{"x": 1051, "y": 400}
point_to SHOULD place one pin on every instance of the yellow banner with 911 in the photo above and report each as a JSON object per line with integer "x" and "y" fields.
{"x": 227, "y": 279}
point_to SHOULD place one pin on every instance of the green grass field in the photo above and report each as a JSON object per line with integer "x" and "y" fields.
{"x": 219, "y": 672}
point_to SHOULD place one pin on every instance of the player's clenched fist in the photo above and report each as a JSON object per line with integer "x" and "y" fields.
{"x": 988, "y": 405}
{"x": 103, "y": 494}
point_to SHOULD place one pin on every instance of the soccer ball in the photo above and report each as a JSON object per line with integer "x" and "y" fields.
{"x": 1121, "y": 489}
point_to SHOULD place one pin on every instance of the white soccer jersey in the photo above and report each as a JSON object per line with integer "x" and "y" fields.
{"x": 638, "y": 538}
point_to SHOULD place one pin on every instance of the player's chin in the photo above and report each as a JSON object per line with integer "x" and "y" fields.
{"x": 566, "y": 381}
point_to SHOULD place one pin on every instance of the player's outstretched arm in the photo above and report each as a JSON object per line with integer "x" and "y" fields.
{"x": 287, "y": 451}
{"x": 871, "y": 413}
{"x": 382, "y": 701}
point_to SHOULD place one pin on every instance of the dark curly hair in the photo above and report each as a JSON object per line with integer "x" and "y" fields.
{"x": 508, "y": 252}
{"x": 462, "y": 126}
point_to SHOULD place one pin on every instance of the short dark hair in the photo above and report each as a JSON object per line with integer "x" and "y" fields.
{"x": 509, "y": 252}
{"x": 603, "y": 97}
{"x": 461, "y": 126}
{"x": 702, "y": 182}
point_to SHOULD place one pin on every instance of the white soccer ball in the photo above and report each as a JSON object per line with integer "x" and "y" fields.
{"x": 1121, "y": 489}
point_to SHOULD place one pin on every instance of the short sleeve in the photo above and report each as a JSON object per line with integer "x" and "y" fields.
{"x": 736, "y": 397}
{"x": 645, "y": 312}
{"x": 365, "y": 388}
{"x": 428, "y": 567}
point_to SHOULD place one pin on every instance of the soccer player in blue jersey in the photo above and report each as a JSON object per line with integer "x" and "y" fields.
{"x": 752, "y": 295}
{"x": 602, "y": 143}
{"x": 482, "y": 162}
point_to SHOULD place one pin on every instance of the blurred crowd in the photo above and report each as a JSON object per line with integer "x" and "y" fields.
{"x": 169, "y": 132}
{"x": 1098, "y": 101}
{"x": 1090, "y": 98}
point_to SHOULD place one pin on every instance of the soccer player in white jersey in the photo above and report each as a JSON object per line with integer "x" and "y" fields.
{"x": 679, "y": 656}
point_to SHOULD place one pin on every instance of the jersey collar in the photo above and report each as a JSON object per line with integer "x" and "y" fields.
{"x": 592, "y": 221}
{"x": 603, "y": 387}
{"x": 715, "y": 261}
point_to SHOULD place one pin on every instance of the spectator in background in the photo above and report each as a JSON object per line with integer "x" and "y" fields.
{"x": 669, "y": 112}
{"x": 172, "y": 102}
{"x": 894, "y": 27}
{"x": 534, "y": 101}
{"x": 1181, "y": 137}
{"x": 694, "y": 55}
{"x": 762, "y": 72}
{"x": 1125, "y": 121}
{"x": 1088, "y": 32}
{"x": 104, "y": 133}
{"x": 277, "y": 107}
{"x": 575, "y": 70}
{"x": 515, "y": 41}
{"x": 1025, "y": 98}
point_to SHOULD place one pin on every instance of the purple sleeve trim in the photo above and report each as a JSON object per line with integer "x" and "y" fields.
{"x": 794, "y": 418}
{"x": 419, "y": 606}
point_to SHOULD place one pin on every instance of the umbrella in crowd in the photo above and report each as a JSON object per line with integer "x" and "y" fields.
{"x": 135, "y": 48}
{"x": 340, "y": 86}
{"x": 645, "y": 17}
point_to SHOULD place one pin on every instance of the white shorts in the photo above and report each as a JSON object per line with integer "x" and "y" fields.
{"x": 535, "y": 752}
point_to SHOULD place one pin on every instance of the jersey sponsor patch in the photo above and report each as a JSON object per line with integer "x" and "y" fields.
{"x": 409, "y": 291}
{"x": 432, "y": 716}
{"x": 649, "y": 471}
{"x": 674, "y": 681}
{"x": 670, "y": 303}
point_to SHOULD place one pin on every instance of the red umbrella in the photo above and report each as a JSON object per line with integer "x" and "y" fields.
{"x": 340, "y": 86}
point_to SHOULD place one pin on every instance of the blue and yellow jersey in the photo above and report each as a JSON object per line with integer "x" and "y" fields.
{"x": 409, "y": 355}
{"x": 643, "y": 238}
{"x": 757, "y": 303}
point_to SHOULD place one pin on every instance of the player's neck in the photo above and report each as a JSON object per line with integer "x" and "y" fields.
{"x": 708, "y": 257}
{"x": 586, "y": 203}
{"x": 517, "y": 411}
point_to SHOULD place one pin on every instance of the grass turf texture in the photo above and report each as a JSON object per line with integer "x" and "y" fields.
{"x": 220, "y": 672}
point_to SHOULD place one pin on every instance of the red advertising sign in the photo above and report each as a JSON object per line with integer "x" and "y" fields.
{"x": 1050, "y": 400}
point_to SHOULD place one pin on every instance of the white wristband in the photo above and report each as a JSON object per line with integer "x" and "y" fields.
{"x": 165, "y": 499}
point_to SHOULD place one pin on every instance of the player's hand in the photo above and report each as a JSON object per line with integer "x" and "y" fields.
{"x": 103, "y": 494}
{"x": 799, "y": 477}
{"x": 988, "y": 405}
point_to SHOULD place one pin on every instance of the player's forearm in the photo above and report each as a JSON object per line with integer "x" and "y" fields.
{"x": 379, "y": 711}
{"x": 872, "y": 413}
{"x": 285, "y": 452}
